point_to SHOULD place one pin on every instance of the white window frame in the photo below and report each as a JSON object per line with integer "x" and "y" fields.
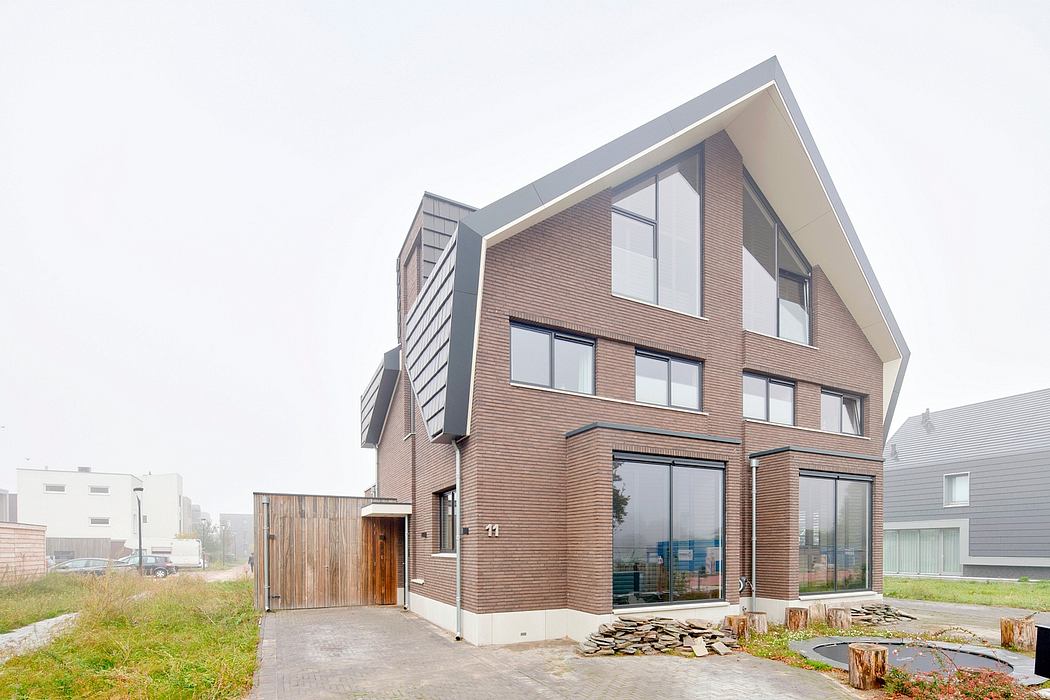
{"x": 944, "y": 490}
{"x": 98, "y": 517}
{"x": 62, "y": 488}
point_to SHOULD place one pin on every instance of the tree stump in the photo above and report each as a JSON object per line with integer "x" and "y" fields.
{"x": 756, "y": 623}
{"x": 867, "y": 664}
{"x": 796, "y": 618}
{"x": 737, "y": 625}
{"x": 839, "y": 618}
{"x": 818, "y": 613}
{"x": 1017, "y": 633}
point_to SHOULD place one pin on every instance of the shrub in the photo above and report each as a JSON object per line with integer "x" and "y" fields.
{"x": 962, "y": 684}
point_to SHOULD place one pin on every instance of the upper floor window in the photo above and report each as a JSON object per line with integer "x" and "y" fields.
{"x": 54, "y": 488}
{"x": 98, "y": 490}
{"x": 656, "y": 237}
{"x": 666, "y": 381}
{"x": 447, "y": 521}
{"x": 769, "y": 399}
{"x": 776, "y": 274}
{"x": 99, "y": 521}
{"x": 840, "y": 413}
{"x": 957, "y": 489}
{"x": 551, "y": 359}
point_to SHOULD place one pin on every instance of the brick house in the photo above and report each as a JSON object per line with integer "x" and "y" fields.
{"x": 604, "y": 378}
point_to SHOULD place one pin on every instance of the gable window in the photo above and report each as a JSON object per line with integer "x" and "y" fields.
{"x": 99, "y": 521}
{"x": 840, "y": 413}
{"x": 99, "y": 490}
{"x": 957, "y": 489}
{"x": 551, "y": 359}
{"x": 447, "y": 521}
{"x": 666, "y": 381}
{"x": 776, "y": 274}
{"x": 656, "y": 236}
{"x": 769, "y": 399}
{"x": 834, "y": 532}
{"x": 54, "y": 488}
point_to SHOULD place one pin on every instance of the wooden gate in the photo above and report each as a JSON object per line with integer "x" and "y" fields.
{"x": 324, "y": 554}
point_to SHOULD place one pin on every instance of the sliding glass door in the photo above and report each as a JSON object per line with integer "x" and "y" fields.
{"x": 928, "y": 551}
{"x": 834, "y": 533}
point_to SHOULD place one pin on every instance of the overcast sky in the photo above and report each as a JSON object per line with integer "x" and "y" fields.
{"x": 201, "y": 203}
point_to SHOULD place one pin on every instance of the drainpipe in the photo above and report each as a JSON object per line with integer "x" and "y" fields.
{"x": 266, "y": 550}
{"x": 459, "y": 549}
{"x": 754, "y": 532}
{"x": 406, "y": 564}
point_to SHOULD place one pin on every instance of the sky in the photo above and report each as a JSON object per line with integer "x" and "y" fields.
{"x": 201, "y": 203}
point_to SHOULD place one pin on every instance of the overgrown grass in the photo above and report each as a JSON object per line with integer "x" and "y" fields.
{"x": 1009, "y": 594}
{"x": 183, "y": 639}
{"x": 54, "y": 594}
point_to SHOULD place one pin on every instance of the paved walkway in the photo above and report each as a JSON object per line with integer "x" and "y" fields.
{"x": 981, "y": 620}
{"x": 387, "y": 653}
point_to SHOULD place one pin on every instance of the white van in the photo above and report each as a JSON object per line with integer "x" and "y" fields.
{"x": 184, "y": 554}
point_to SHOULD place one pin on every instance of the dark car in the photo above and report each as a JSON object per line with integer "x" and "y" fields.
{"x": 94, "y": 567}
{"x": 152, "y": 565}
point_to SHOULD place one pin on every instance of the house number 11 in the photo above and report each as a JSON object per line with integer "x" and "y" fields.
{"x": 493, "y": 530}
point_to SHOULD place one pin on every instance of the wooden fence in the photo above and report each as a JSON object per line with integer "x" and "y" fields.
{"x": 23, "y": 553}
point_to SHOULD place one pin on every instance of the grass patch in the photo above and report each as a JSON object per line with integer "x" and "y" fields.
{"x": 54, "y": 594}
{"x": 1010, "y": 594}
{"x": 183, "y": 639}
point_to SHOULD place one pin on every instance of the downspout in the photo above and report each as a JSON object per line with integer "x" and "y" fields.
{"x": 459, "y": 549}
{"x": 406, "y": 564}
{"x": 754, "y": 531}
{"x": 266, "y": 551}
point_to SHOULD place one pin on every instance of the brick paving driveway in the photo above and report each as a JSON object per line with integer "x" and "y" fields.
{"x": 388, "y": 653}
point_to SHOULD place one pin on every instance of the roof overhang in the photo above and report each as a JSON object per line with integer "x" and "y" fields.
{"x": 375, "y": 402}
{"x": 386, "y": 510}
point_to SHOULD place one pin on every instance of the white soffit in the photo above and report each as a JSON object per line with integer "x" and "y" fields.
{"x": 386, "y": 510}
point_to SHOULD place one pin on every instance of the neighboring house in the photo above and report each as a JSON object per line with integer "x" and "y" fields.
{"x": 8, "y": 507}
{"x": 235, "y": 529}
{"x": 89, "y": 513}
{"x": 968, "y": 490}
{"x": 588, "y": 367}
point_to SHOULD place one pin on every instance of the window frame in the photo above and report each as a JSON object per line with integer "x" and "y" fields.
{"x": 772, "y": 380}
{"x": 92, "y": 519}
{"x": 842, "y": 396}
{"x": 944, "y": 490}
{"x": 54, "y": 488}
{"x": 654, "y": 223}
{"x": 93, "y": 492}
{"x": 442, "y": 525}
{"x": 837, "y": 477}
{"x": 667, "y": 360}
{"x": 782, "y": 234}
{"x": 670, "y": 463}
{"x": 554, "y": 336}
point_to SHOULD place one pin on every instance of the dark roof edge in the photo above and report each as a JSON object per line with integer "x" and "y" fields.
{"x": 389, "y": 368}
{"x": 814, "y": 451}
{"x": 627, "y": 428}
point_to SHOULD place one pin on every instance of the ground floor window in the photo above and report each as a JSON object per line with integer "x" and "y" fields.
{"x": 933, "y": 551}
{"x": 668, "y": 524}
{"x": 834, "y": 533}
{"x": 447, "y": 521}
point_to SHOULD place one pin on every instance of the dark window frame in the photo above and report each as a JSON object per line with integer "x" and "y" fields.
{"x": 92, "y": 519}
{"x": 668, "y": 359}
{"x": 842, "y": 396}
{"x": 782, "y": 234}
{"x": 836, "y": 477}
{"x": 653, "y": 174}
{"x": 447, "y": 529}
{"x": 780, "y": 382}
{"x": 670, "y": 462}
{"x": 554, "y": 336}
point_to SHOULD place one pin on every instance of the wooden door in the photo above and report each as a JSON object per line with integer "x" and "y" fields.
{"x": 382, "y": 538}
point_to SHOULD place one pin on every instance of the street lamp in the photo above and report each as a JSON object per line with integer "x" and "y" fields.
{"x": 138, "y": 498}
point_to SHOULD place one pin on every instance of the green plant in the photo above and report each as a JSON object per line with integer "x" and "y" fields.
{"x": 960, "y": 684}
{"x": 28, "y": 602}
{"x": 1023, "y": 579}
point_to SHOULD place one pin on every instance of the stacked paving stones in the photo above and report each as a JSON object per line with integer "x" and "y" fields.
{"x": 631, "y": 635}
{"x": 878, "y": 614}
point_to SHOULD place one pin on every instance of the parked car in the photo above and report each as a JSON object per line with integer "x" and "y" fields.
{"x": 94, "y": 567}
{"x": 152, "y": 565}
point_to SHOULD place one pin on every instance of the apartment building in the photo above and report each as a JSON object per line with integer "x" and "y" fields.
{"x": 616, "y": 383}
{"x": 92, "y": 513}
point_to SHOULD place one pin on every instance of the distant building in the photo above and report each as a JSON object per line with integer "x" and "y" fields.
{"x": 89, "y": 513}
{"x": 8, "y": 507}
{"x": 236, "y": 532}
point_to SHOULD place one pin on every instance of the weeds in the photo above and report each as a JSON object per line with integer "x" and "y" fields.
{"x": 960, "y": 684}
{"x": 25, "y": 603}
{"x": 1033, "y": 595}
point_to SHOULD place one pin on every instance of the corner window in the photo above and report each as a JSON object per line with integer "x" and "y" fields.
{"x": 99, "y": 490}
{"x": 447, "y": 521}
{"x": 54, "y": 488}
{"x": 834, "y": 532}
{"x": 99, "y": 521}
{"x": 776, "y": 274}
{"x": 667, "y": 381}
{"x": 957, "y": 489}
{"x": 840, "y": 413}
{"x": 656, "y": 237}
{"x": 667, "y": 530}
{"x": 551, "y": 359}
{"x": 769, "y": 399}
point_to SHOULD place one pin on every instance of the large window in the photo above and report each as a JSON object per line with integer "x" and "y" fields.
{"x": 656, "y": 237}
{"x": 957, "y": 489}
{"x": 667, "y": 530}
{"x": 776, "y": 274}
{"x": 834, "y": 533}
{"x": 769, "y": 399}
{"x": 666, "y": 381}
{"x": 840, "y": 413}
{"x": 932, "y": 551}
{"x": 447, "y": 521}
{"x": 551, "y": 359}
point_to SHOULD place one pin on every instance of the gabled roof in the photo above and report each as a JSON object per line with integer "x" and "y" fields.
{"x": 1009, "y": 425}
{"x": 759, "y": 112}
{"x": 375, "y": 402}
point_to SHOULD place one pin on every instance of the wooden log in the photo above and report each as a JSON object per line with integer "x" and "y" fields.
{"x": 1017, "y": 633}
{"x": 755, "y": 623}
{"x": 737, "y": 625}
{"x": 818, "y": 613}
{"x": 839, "y": 618}
{"x": 867, "y": 664}
{"x": 796, "y": 618}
